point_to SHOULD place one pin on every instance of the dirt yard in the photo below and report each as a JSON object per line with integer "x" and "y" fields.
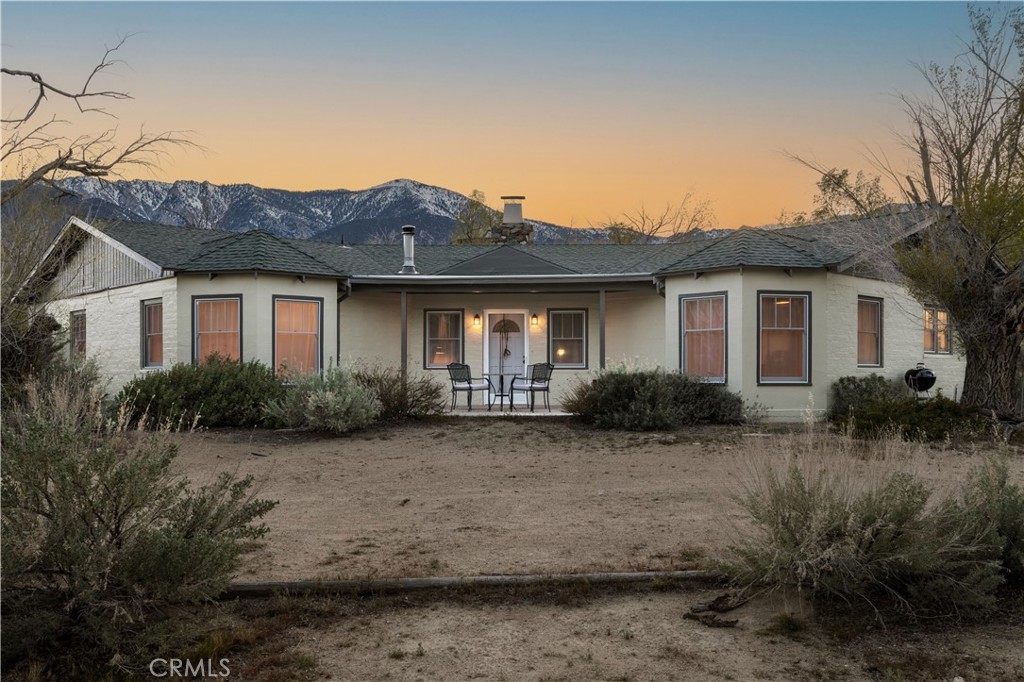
{"x": 488, "y": 496}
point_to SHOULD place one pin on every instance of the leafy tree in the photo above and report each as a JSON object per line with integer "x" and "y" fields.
{"x": 840, "y": 195}
{"x": 969, "y": 169}
{"x": 475, "y": 221}
{"x": 967, "y": 138}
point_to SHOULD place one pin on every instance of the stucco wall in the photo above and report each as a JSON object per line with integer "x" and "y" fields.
{"x": 902, "y": 334}
{"x": 635, "y": 329}
{"x": 113, "y": 324}
{"x": 833, "y": 334}
{"x": 729, "y": 283}
{"x": 257, "y": 310}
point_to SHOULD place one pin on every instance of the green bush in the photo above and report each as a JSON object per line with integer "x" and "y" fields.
{"x": 99, "y": 534}
{"x": 334, "y": 403}
{"x": 933, "y": 419}
{"x": 649, "y": 400}
{"x": 220, "y": 392}
{"x": 856, "y": 392}
{"x": 990, "y": 496}
{"x": 884, "y": 545}
{"x": 401, "y": 400}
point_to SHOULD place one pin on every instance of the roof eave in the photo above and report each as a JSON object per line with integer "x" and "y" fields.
{"x": 500, "y": 279}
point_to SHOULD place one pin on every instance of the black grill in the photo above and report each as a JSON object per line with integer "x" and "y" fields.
{"x": 920, "y": 379}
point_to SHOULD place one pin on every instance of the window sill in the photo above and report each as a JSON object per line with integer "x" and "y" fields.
{"x": 784, "y": 383}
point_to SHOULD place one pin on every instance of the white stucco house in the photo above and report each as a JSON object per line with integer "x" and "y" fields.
{"x": 777, "y": 315}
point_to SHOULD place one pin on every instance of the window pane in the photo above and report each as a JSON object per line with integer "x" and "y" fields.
{"x": 217, "y": 329}
{"x": 443, "y": 342}
{"x": 942, "y": 330}
{"x": 568, "y": 352}
{"x": 154, "y": 335}
{"x": 868, "y": 336}
{"x": 77, "y": 324}
{"x": 297, "y": 336}
{"x": 568, "y": 337}
{"x": 929, "y": 330}
{"x": 782, "y": 354}
{"x": 705, "y": 354}
{"x": 783, "y": 336}
{"x": 704, "y": 337}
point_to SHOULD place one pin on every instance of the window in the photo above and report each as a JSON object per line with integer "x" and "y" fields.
{"x": 703, "y": 336}
{"x": 783, "y": 338}
{"x": 936, "y": 330}
{"x": 869, "y": 332}
{"x": 443, "y": 342}
{"x": 218, "y": 325}
{"x": 153, "y": 333}
{"x": 296, "y": 335}
{"x": 567, "y": 338}
{"x": 77, "y": 326}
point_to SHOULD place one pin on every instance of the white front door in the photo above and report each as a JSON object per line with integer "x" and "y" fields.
{"x": 506, "y": 348}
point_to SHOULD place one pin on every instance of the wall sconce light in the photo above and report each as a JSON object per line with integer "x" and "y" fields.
{"x": 533, "y": 320}
{"x": 476, "y": 320}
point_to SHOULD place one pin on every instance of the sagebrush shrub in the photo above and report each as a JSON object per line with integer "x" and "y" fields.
{"x": 648, "y": 400}
{"x": 933, "y": 419}
{"x": 401, "y": 400}
{"x": 989, "y": 494}
{"x": 881, "y": 539}
{"x": 334, "y": 403}
{"x": 854, "y": 392}
{"x": 98, "y": 532}
{"x": 219, "y": 392}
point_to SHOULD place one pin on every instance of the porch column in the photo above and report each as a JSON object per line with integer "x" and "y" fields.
{"x": 405, "y": 335}
{"x": 600, "y": 332}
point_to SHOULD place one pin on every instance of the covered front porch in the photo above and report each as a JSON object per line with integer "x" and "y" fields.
{"x": 500, "y": 328}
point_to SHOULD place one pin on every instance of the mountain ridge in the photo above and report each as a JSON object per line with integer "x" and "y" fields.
{"x": 372, "y": 214}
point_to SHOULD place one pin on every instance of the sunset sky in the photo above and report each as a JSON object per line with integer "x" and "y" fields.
{"x": 588, "y": 109}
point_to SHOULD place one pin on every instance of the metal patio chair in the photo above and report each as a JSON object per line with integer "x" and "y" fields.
{"x": 463, "y": 382}
{"x": 536, "y": 380}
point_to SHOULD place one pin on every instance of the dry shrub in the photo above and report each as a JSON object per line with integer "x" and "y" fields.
{"x": 98, "y": 534}
{"x": 854, "y": 524}
{"x": 333, "y": 403}
{"x": 402, "y": 398}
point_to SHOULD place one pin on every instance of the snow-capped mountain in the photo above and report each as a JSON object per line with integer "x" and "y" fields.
{"x": 376, "y": 213}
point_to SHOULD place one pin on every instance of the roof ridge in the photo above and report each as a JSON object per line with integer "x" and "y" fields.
{"x": 713, "y": 241}
{"x": 531, "y": 255}
{"x": 780, "y": 238}
{"x": 251, "y": 235}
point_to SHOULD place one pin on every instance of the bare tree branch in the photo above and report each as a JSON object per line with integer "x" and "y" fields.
{"x": 77, "y": 97}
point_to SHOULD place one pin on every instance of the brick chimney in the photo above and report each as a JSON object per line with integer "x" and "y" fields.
{"x": 512, "y": 229}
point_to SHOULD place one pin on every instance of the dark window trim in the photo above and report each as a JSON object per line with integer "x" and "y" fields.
{"x": 807, "y": 337}
{"x": 273, "y": 327}
{"x": 725, "y": 328}
{"x": 881, "y": 330}
{"x": 586, "y": 336}
{"x": 144, "y": 331}
{"x": 935, "y": 332}
{"x": 426, "y": 332}
{"x": 195, "y": 330}
{"x": 72, "y": 314}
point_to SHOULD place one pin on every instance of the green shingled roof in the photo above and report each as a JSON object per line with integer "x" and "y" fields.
{"x": 813, "y": 246}
{"x": 256, "y": 250}
{"x": 747, "y": 248}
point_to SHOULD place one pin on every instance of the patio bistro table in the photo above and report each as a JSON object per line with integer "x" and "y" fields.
{"x": 503, "y": 392}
